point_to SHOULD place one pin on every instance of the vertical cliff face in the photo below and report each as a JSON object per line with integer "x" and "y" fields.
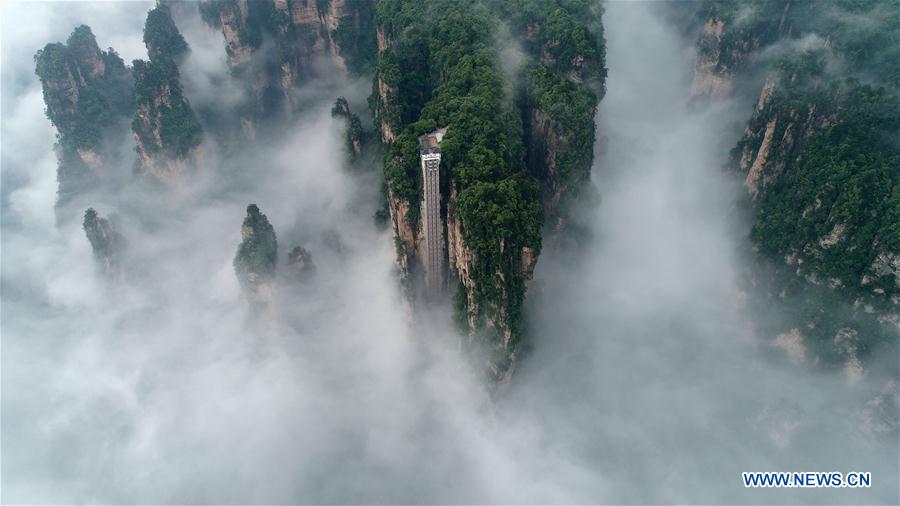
{"x": 818, "y": 166}
{"x": 712, "y": 76}
{"x": 732, "y": 38}
{"x": 89, "y": 98}
{"x": 267, "y": 73}
{"x": 563, "y": 81}
{"x": 354, "y": 134}
{"x": 106, "y": 242}
{"x": 559, "y": 120}
{"x": 273, "y": 45}
{"x": 798, "y": 154}
{"x": 315, "y": 23}
{"x": 498, "y": 238}
{"x": 730, "y": 34}
{"x": 166, "y": 130}
{"x": 431, "y": 72}
{"x": 547, "y": 140}
{"x": 255, "y": 260}
{"x": 492, "y": 322}
{"x": 400, "y": 193}
{"x": 405, "y": 231}
{"x": 401, "y": 87}
{"x": 792, "y": 107}
{"x": 384, "y": 96}
{"x": 501, "y": 157}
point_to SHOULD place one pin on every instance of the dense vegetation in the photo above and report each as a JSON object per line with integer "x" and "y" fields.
{"x": 403, "y": 68}
{"x": 157, "y": 89}
{"x": 105, "y": 241}
{"x": 821, "y": 314}
{"x": 179, "y": 129}
{"x": 565, "y": 101}
{"x": 89, "y": 98}
{"x": 567, "y": 35}
{"x": 828, "y": 202}
{"x": 87, "y": 91}
{"x": 833, "y": 165}
{"x": 845, "y": 182}
{"x": 748, "y": 26}
{"x": 355, "y": 36}
{"x": 571, "y": 109}
{"x": 258, "y": 251}
{"x": 441, "y": 69}
{"x": 561, "y": 84}
{"x": 162, "y": 37}
{"x": 443, "y": 66}
{"x": 354, "y": 135}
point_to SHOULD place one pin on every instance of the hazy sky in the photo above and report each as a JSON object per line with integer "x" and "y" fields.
{"x": 646, "y": 381}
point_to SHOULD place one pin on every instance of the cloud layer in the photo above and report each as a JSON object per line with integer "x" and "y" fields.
{"x": 646, "y": 382}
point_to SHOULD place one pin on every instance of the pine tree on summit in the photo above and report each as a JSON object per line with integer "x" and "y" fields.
{"x": 106, "y": 242}
{"x": 254, "y": 263}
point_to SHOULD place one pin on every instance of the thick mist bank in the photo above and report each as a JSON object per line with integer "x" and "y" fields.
{"x": 650, "y": 344}
{"x": 646, "y": 382}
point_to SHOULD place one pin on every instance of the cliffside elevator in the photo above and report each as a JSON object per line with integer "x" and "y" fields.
{"x": 433, "y": 247}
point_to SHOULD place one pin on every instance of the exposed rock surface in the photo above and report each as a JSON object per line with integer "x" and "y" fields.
{"x": 106, "y": 242}
{"x": 775, "y": 135}
{"x": 728, "y": 41}
{"x": 562, "y": 160}
{"x": 887, "y": 264}
{"x": 354, "y": 134}
{"x": 792, "y": 344}
{"x": 561, "y": 84}
{"x": 461, "y": 259}
{"x": 385, "y": 96}
{"x": 711, "y": 76}
{"x": 788, "y": 122}
{"x": 255, "y": 261}
{"x": 166, "y": 130}
{"x": 300, "y": 263}
{"x": 89, "y": 99}
{"x": 406, "y": 238}
{"x": 818, "y": 170}
{"x": 274, "y": 45}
